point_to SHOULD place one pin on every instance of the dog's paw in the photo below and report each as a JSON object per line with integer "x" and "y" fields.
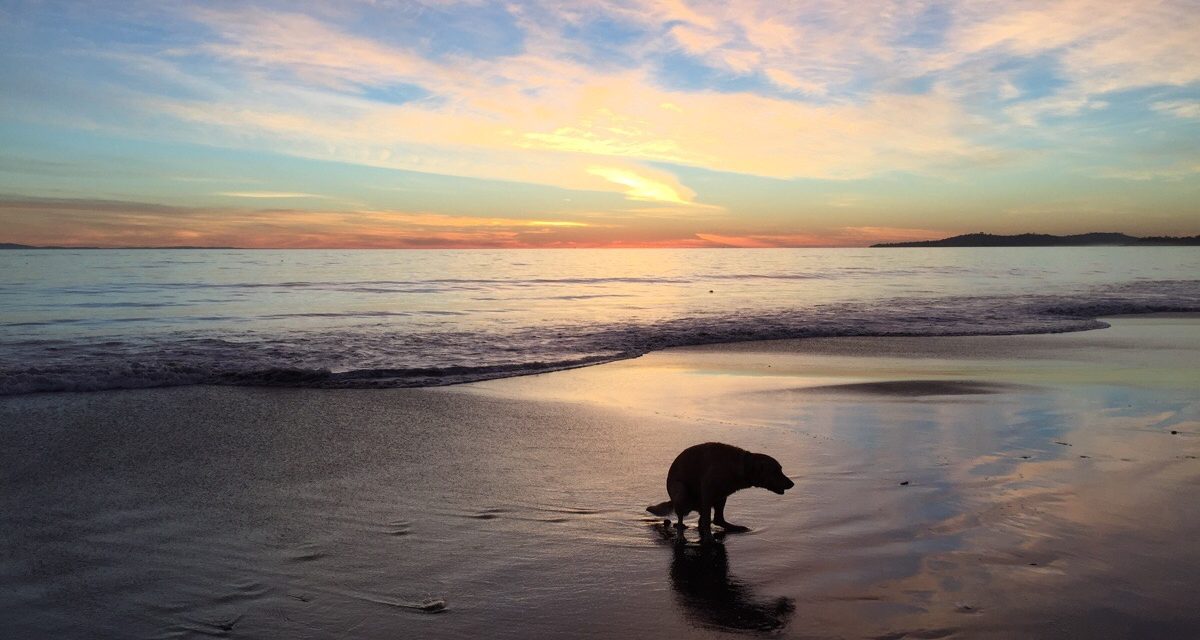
{"x": 734, "y": 528}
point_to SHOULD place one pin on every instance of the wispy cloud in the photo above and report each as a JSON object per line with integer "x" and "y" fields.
{"x": 840, "y": 237}
{"x": 484, "y": 109}
{"x": 267, "y": 194}
{"x": 312, "y": 79}
{"x": 86, "y": 222}
{"x": 641, "y": 187}
{"x": 1179, "y": 108}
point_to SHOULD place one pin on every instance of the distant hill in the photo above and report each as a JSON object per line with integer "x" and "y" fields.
{"x": 11, "y": 245}
{"x": 1046, "y": 240}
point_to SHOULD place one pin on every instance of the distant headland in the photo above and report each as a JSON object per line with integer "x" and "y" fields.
{"x": 13, "y": 245}
{"x": 1047, "y": 240}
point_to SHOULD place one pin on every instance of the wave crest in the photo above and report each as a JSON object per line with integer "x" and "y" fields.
{"x": 378, "y": 358}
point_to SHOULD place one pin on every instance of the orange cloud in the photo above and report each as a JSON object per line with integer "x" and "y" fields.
{"x": 71, "y": 222}
{"x": 77, "y": 222}
{"x": 843, "y": 237}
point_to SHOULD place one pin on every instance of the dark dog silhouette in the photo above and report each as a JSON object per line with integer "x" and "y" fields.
{"x": 705, "y": 475}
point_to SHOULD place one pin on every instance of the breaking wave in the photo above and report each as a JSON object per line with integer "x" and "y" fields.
{"x": 370, "y": 356}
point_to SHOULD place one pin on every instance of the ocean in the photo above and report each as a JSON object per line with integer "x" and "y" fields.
{"x": 74, "y": 320}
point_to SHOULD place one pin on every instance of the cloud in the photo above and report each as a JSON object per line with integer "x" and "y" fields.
{"x": 270, "y": 41}
{"x": 1189, "y": 109}
{"x": 1031, "y": 113}
{"x": 641, "y": 187}
{"x": 113, "y": 223}
{"x": 693, "y": 40}
{"x": 609, "y": 116}
{"x": 1175, "y": 171}
{"x": 1101, "y": 46}
{"x": 790, "y": 81}
{"x": 267, "y": 194}
{"x": 546, "y": 116}
{"x": 838, "y": 237}
{"x": 109, "y": 223}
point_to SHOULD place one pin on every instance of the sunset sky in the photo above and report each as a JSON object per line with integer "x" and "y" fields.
{"x": 676, "y": 123}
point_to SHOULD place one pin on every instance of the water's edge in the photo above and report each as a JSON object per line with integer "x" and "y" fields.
{"x": 449, "y": 376}
{"x": 127, "y": 320}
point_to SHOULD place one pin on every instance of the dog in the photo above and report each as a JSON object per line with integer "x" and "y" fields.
{"x": 705, "y": 475}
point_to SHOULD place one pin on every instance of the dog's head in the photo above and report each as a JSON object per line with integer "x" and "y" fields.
{"x": 764, "y": 471}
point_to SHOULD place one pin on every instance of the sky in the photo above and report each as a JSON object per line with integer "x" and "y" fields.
{"x": 438, "y": 124}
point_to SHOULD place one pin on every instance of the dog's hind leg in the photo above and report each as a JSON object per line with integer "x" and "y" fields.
{"x": 679, "y": 499}
{"x": 719, "y": 508}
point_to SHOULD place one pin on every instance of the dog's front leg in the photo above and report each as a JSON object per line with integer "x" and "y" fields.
{"x": 719, "y": 506}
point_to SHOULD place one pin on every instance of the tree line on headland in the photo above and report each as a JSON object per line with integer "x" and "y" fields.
{"x": 1047, "y": 240}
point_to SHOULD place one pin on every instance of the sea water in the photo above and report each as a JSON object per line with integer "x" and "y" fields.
{"x": 107, "y": 319}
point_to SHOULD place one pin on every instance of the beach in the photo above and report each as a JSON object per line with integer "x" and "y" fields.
{"x": 378, "y": 320}
{"x": 946, "y": 487}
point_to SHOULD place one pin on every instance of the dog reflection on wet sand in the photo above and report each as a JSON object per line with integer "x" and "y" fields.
{"x": 713, "y": 598}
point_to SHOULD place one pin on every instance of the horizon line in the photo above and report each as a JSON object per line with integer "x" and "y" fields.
{"x": 16, "y": 246}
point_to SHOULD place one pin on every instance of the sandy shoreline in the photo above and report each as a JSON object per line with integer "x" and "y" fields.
{"x": 1047, "y": 497}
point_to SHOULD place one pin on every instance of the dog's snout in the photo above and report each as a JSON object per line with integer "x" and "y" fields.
{"x": 784, "y": 486}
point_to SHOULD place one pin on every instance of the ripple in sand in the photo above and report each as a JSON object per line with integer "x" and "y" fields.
{"x": 307, "y": 553}
{"x": 243, "y": 591}
{"x": 428, "y": 604}
{"x": 490, "y": 513}
{"x": 922, "y": 634}
{"x": 912, "y": 388}
{"x": 210, "y": 628}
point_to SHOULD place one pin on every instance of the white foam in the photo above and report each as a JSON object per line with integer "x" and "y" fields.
{"x": 354, "y": 357}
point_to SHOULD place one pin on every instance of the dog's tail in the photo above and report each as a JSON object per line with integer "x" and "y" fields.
{"x": 661, "y": 509}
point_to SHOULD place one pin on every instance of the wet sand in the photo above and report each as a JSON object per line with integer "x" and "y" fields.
{"x": 985, "y": 487}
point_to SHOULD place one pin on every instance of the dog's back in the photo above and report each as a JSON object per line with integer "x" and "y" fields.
{"x": 716, "y": 462}
{"x": 692, "y": 465}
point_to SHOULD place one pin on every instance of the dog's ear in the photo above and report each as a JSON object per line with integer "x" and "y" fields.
{"x": 758, "y": 467}
{"x": 750, "y": 466}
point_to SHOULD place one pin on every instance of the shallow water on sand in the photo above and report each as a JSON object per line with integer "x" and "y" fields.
{"x": 1040, "y": 502}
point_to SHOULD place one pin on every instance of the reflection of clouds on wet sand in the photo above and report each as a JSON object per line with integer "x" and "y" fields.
{"x": 1095, "y": 526}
